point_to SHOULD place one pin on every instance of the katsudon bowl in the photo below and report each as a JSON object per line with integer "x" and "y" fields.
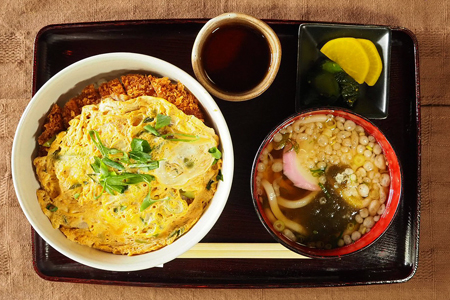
{"x": 68, "y": 83}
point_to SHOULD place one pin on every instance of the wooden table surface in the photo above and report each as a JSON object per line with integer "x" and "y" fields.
{"x": 429, "y": 20}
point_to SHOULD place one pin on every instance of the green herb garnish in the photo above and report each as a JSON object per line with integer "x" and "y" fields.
{"x": 174, "y": 137}
{"x": 140, "y": 145}
{"x": 162, "y": 121}
{"x": 49, "y": 142}
{"x": 219, "y": 176}
{"x": 215, "y": 153}
{"x": 152, "y": 130}
{"x": 148, "y": 120}
{"x": 208, "y": 186}
{"x": 147, "y": 166}
{"x": 51, "y": 207}
{"x": 140, "y": 156}
{"x": 325, "y": 191}
{"x": 149, "y": 201}
{"x": 113, "y": 164}
{"x": 74, "y": 186}
{"x": 318, "y": 172}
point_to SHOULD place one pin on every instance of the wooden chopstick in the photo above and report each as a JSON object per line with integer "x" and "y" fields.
{"x": 240, "y": 250}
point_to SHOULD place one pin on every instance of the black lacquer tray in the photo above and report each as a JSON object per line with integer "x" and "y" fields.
{"x": 393, "y": 258}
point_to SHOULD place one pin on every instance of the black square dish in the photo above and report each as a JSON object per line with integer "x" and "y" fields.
{"x": 373, "y": 101}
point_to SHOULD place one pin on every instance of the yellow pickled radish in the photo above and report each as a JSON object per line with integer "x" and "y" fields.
{"x": 376, "y": 65}
{"x": 348, "y": 53}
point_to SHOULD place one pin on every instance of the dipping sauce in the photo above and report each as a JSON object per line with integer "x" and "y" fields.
{"x": 236, "y": 58}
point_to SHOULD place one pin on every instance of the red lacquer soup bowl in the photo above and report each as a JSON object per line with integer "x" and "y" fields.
{"x": 370, "y": 220}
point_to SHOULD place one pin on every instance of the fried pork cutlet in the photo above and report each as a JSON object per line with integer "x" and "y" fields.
{"x": 53, "y": 125}
{"x": 178, "y": 95}
{"x": 137, "y": 85}
{"x": 88, "y": 96}
{"x": 113, "y": 89}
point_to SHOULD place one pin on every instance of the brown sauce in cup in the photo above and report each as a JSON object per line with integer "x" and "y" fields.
{"x": 236, "y": 58}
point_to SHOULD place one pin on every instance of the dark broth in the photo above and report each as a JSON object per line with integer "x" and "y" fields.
{"x": 325, "y": 221}
{"x": 236, "y": 58}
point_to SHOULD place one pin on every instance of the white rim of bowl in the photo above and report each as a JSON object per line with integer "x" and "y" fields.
{"x": 209, "y": 217}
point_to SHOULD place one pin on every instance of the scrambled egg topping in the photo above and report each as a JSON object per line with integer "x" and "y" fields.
{"x": 129, "y": 177}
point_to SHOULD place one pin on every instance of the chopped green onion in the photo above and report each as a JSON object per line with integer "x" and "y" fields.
{"x": 95, "y": 137}
{"x": 148, "y": 119}
{"x": 325, "y": 191}
{"x": 74, "y": 186}
{"x": 147, "y": 166}
{"x": 49, "y": 142}
{"x": 219, "y": 176}
{"x": 208, "y": 186}
{"x": 76, "y": 196}
{"x": 149, "y": 201}
{"x": 317, "y": 172}
{"x": 140, "y": 145}
{"x": 152, "y": 130}
{"x": 173, "y": 137}
{"x": 113, "y": 164}
{"x": 96, "y": 165}
{"x": 162, "y": 121}
{"x": 56, "y": 153}
{"x": 140, "y": 156}
{"x": 51, "y": 207}
{"x": 279, "y": 226}
{"x": 216, "y": 154}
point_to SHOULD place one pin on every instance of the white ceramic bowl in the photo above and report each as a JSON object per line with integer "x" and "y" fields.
{"x": 68, "y": 83}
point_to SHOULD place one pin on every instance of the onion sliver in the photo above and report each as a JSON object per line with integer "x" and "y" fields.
{"x": 297, "y": 203}
{"x": 277, "y": 212}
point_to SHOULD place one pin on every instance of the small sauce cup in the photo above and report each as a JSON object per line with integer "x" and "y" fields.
{"x": 236, "y": 57}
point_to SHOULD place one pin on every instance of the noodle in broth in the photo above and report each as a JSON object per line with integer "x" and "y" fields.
{"x": 323, "y": 181}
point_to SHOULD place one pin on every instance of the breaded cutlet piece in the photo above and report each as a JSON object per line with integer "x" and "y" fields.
{"x": 137, "y": 85}
{"x": 178, "y": 95}
{"x": 70, "y": 111}
{"x": 53, "y": 125}
{"x": 113, "y": 89}
{"x": 88, "y": 96}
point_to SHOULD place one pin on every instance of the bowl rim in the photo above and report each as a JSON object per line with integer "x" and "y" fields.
{"x": 236, "y": 18}
{"x": 85, "y": 255}
{"x": 394, "y": 198}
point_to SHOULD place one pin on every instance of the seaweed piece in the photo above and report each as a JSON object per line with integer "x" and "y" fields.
{"x": 349, "y": 88}
{"x": 330, "y": 83}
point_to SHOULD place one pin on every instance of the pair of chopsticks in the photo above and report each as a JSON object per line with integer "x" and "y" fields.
{"x": 240, "y": 250}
